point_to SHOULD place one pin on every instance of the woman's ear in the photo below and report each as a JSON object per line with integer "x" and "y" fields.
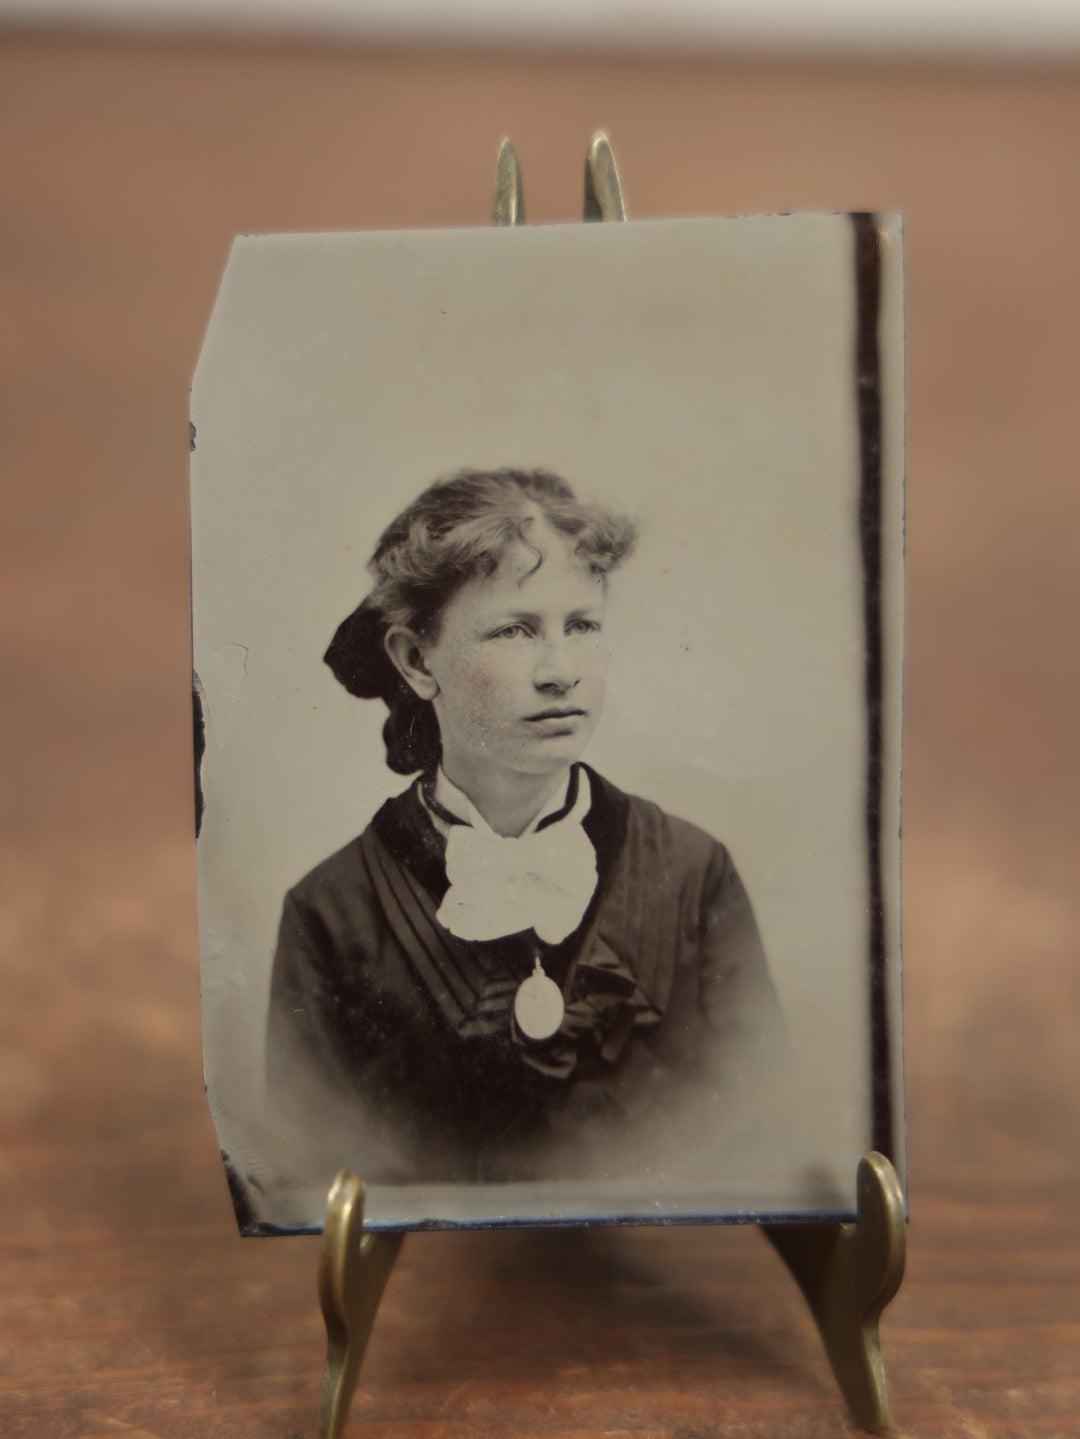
{"x": 407, "y": 656}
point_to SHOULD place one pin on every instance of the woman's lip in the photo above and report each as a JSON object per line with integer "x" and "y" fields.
{"x": 555, "y": 715}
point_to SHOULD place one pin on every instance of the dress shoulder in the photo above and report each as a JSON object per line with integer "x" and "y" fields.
{"x": 659, "y": 840}
{"x": 338, "y": 892}
{"x": 329, "y": 875}
{"x": 682, "y": 834}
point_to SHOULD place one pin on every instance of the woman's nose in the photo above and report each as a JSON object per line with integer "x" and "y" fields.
{"x": 556, "y": 669}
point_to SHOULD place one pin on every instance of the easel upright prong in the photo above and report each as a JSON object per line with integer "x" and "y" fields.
{"x": 848, "y": 1273}
{"x": 353, "y": 1270}
{"x": 603, "y": 187}
{"x": 508, "y": 198}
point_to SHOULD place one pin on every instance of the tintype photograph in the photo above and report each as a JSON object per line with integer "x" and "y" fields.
{"x": 547, "y": 629}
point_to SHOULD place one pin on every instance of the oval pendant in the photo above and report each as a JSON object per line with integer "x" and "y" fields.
{"x": 538, "y": 1005}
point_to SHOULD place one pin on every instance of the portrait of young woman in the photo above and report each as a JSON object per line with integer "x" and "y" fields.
{"x": 547, "y": 601}
{"x": 514, "y": 958}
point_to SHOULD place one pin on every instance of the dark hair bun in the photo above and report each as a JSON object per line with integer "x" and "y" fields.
{"x": 358, "y": 660}
{"x": 357, "y": 656}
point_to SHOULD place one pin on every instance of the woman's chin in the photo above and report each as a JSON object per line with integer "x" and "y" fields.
{"x": 551, "y": 756}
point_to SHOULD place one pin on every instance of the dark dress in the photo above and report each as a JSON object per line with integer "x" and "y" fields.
{"x": 668, "y": 1003}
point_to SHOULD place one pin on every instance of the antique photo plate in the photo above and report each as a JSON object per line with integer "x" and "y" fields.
{"x": 711, "y": 891}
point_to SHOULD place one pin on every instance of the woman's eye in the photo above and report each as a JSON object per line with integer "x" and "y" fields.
{"x": 583, "y": 627}
{"x": 510, "y": 632}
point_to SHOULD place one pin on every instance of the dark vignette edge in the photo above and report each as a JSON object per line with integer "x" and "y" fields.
{"x": 868, "y": 409}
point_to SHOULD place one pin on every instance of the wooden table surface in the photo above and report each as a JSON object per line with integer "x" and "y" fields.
{"x": 127, "y": 1304}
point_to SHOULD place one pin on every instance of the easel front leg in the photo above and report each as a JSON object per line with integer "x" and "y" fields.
{"x": 353, "y": 1270}
{"x": 848, "y": 1273}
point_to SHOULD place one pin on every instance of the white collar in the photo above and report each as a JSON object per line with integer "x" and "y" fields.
{"x": 456, "y": 802}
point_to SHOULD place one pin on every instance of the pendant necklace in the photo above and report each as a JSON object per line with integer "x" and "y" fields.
{"x": 538, "y": 1005}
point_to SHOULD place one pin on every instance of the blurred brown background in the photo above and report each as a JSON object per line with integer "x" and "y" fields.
{"x": 127, "y": 1304}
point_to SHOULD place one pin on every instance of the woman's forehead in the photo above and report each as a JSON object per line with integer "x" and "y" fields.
{"x": 547, "y": 560}
{"x": 548, "y": 574}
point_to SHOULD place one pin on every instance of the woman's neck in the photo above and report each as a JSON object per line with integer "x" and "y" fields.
{"x": 508, "y": 802}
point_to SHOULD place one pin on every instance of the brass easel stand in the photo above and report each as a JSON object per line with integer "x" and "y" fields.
{"x": 353, "y": 1270}
{"x": 847, "y": 1272}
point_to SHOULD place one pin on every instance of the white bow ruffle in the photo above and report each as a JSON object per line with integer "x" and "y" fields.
{"x": 541, "y": 880}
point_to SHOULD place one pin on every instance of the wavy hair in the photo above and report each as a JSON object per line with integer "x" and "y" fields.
{"x": 458, "y": 529}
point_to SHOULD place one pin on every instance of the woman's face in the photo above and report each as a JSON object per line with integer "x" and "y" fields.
{"x": 520, "y": 663}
